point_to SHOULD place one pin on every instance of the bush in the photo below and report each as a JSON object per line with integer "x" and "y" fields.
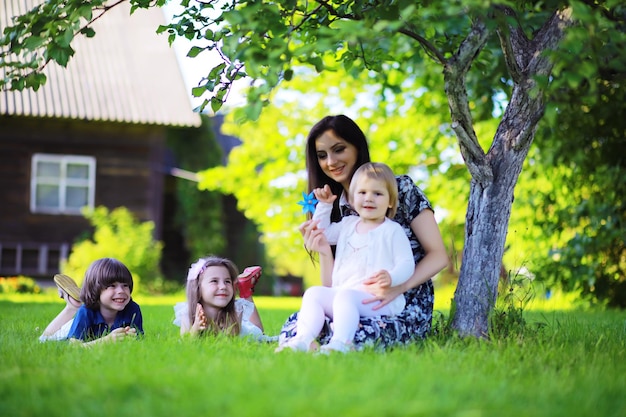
{"x": 18, "y": 285}
{"x": 118, "y": 235}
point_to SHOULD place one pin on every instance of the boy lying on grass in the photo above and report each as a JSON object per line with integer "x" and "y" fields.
{"x": 107, "y": 313}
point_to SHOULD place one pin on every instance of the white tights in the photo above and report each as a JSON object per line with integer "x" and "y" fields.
{"x": 343, "y": 306}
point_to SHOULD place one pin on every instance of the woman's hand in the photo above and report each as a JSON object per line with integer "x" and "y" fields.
{"x": 314, "y": 239}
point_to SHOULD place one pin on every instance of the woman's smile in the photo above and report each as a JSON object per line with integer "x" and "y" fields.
{"x": 336, "y": 156}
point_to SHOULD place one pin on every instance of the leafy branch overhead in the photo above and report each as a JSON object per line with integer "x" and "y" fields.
{"x": 44, "y": 34}
{"x": 273, "y": 39}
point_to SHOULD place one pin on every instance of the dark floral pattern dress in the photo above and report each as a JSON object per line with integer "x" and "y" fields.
{"x": 414, "y": 322}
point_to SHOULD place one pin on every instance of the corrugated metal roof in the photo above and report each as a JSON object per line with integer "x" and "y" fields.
{"x": 126, "y": 73}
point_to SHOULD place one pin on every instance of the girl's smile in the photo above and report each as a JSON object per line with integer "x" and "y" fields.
{"x": 216, "y": 288}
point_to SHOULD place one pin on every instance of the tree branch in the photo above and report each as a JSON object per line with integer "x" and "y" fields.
{"x": 39, "y": 64}
{"x": 305, "y": 18}
{"x": 333, "y": 12}
{"x": 429, "y": 48}
{"x": 547, "y": 38}
{"x": 504, "y": 34}
{"x": 455, "y": 71}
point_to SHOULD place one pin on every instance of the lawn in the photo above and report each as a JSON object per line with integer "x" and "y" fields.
{"x": 574, "y": 365}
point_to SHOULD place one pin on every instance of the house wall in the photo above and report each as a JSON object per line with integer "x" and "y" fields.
{"x": 129, "y": 173}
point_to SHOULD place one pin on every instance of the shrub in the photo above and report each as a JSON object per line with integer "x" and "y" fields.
{"x": 118, "y": 235}
{"x": 19, "y": 284}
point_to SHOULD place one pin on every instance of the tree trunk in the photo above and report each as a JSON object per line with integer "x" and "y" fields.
{"x": 487, "y": 222}
{"x": 488, "y": 213}
{"x": 495, "y": 173}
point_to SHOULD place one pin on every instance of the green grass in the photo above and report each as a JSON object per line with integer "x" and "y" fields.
{"x": 574, "y": 366}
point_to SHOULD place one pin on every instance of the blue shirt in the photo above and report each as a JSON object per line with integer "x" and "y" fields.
{"x": 89, "y": 324}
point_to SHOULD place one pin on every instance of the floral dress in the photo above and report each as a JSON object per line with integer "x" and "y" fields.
{"x": 414, "y": 322}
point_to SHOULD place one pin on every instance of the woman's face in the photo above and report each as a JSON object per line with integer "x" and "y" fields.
{"x": 336, "y": 156}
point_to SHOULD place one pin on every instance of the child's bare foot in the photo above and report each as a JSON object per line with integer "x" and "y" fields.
{"x": 70, "y": 301}
{"x": 68, "y": 290}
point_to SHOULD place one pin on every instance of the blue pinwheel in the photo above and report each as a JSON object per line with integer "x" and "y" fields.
{"x": 308, "y": 202}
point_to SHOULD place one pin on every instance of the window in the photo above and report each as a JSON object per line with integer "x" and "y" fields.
{"x": 62, "y": 184}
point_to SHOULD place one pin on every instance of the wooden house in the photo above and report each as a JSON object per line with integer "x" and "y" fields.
{"x": 93, "y": 135}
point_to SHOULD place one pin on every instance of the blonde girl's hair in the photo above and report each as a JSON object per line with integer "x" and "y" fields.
{"x": 227, "y": 321}
{"x": 100, "y": 274}
{"x": 380, "y": 172}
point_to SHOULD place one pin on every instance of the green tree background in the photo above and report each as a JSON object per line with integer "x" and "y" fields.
{"x": 206, "y": 222}
{"x": 497, "y": 83}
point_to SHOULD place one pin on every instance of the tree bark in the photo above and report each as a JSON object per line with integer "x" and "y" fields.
{"x": 487, "y": 221}
{"x": 495, "y": 173}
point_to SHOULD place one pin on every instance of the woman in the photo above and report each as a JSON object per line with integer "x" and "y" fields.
{"x": 335, "y": 148}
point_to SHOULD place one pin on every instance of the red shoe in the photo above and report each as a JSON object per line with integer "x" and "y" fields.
{"x": 247, "y": 280}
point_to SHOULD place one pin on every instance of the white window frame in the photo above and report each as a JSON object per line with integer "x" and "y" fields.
{"x": 63, "y": 182}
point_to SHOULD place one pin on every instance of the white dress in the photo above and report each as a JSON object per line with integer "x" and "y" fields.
{"x": 243, "y": 307}
{"x": 351, "y": 269}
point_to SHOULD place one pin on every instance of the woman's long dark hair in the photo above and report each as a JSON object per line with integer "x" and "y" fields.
{"x": 346, "y": 129}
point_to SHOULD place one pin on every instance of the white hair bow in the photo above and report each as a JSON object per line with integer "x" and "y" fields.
{"x": 196, "y": 269}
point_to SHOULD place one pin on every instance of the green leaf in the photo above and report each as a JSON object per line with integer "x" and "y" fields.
{"x": 216, "y": 104}
{"x": 35, "y": 80}
{"x": 216, "y": 72}
{"x": 18, "y": 84}
{"x": 194, "y": 51}
{"x": 85, "y": 12}
{"x": 201, "y": 107}
{"x": 65, "y": 38}
{"x": 317, "y": 62}
{"x": 59, "y": 54}
{"x": 253, "y": 110}
{"x": 198, "y": 91}
{"x": 88, "y": 32}
{"x": 33, "y": 42}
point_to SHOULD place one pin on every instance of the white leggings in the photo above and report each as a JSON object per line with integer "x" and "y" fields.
{"x": 343, "y": 306}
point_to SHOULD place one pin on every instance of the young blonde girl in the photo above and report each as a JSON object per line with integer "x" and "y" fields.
{"x": 211, "y": 306}
{"x": 369, "y": 246}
